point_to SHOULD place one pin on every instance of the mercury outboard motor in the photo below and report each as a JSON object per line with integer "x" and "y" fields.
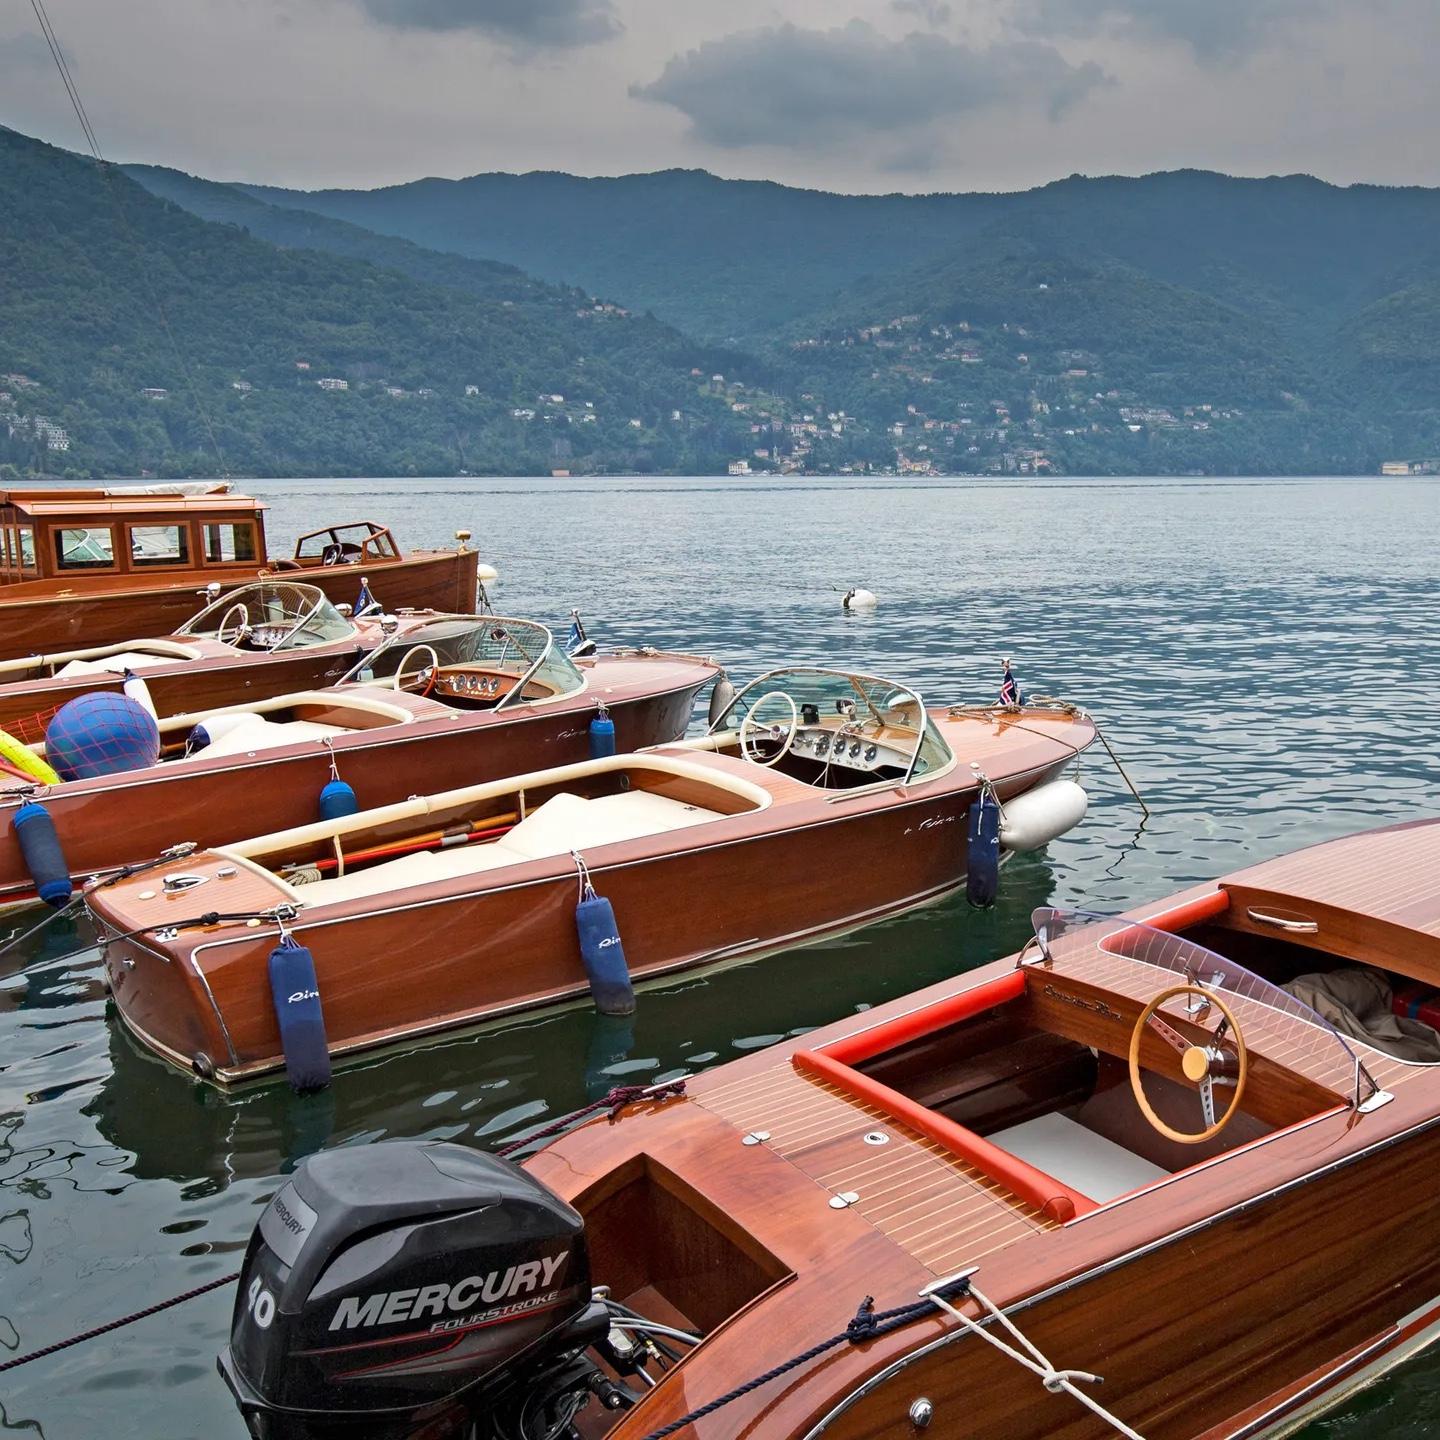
{"x": 413, "y": 1289}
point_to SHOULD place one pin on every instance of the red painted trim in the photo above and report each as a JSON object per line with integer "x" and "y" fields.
{"x": 891, "y": 1034}
{"x": 1192, "y": 912}
{"x": 1043, "y": 1191}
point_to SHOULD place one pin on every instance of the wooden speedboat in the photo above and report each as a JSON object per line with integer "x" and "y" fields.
{"x": 448, "y": 700}
{"x": 88, "y": 567}
{"x": 251, "y": 643}
{"x": 1128, "y": 1154}
{"x": 820, "y": 800}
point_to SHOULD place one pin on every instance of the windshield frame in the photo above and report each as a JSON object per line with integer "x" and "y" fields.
{"x": 312, "y": 597}
{"x": 548, "y": 653}
{"x": 859, "y": 683}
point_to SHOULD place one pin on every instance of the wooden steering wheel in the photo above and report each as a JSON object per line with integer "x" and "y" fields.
{"x": 1200, "y": 1064}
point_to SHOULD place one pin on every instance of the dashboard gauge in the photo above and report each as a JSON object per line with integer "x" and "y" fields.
{"x": 855, "y": 750}
{"x": 871, "y": 753}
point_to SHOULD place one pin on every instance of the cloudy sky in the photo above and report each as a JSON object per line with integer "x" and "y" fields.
{"x": 860, "y": 95}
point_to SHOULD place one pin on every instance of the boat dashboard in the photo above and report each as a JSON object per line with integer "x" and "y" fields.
{"x": 471, "y": 687}
{"x": 869, "y": 748}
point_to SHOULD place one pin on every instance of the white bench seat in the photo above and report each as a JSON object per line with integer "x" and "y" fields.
{"x": 116, "y": 664}
{"x": 255, "y": 732}
{"x": 563, "y": 823}
{"x": 1078, "y": 1157}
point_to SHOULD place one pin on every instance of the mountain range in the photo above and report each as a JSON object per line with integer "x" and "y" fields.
{"x": 1179, "y": 322}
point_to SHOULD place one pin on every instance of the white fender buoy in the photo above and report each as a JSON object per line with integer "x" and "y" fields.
{"x": 139, "y": 691}
{"x": 1040, "y": 815}
{"x": 860, "y": 599}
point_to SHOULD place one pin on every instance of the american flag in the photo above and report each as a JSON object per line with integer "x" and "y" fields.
{"x": 1009, "y": 690}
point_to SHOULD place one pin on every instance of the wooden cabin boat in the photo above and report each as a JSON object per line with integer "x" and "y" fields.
{"x": 820, "y": 800}
{"x": 448, "y": 700}
{"x": 251, "y": 643}
{"x": 88, "y": 567}
{"x": 1128, "y": 1154}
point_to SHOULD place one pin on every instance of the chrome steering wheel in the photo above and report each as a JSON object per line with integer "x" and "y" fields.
{"x": 1203, "y": 1064}
{"x": 783, "y": 735}
{"x": 422, "y": 681}
{"x": 227, "y": 634}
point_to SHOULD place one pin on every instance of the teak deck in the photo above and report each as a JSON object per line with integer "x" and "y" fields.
{"x": 1227, "y": 1299}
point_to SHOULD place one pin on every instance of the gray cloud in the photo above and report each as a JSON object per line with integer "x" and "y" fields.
{"x": 25, "y": 51}
{"x": 934, "y": 13}
{"x": 818, "y": 89}
{"x": 520, "y": 23}
{"x": 1216, "y": 31}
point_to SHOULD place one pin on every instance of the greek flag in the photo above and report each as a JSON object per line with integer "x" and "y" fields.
{"x": 365, "y": 601}
{"x": 1009, "y": 690}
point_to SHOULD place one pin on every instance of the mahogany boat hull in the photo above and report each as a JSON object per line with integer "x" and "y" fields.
{"x": 204, "y": 684}
{"x": 104, "y": 824}
{"x": 1234, "y": 1297}
{"x": 80, "y": 611}
{"x": 425, "y": 962}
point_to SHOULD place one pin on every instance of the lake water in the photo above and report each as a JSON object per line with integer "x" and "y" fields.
{"x": 1264, "y": 655}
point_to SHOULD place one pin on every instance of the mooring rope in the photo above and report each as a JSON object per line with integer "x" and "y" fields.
{"x": 866, "y": 1324}
{"x": 110, "y": 1325}
{"x": 1025, "y": 1352}
{"x": 614, "y": 1102}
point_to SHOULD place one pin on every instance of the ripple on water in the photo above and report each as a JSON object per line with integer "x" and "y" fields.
{"x": 1258, "y": 699}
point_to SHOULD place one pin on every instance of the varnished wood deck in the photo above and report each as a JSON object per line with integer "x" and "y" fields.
{"x": 932, "y": 1204}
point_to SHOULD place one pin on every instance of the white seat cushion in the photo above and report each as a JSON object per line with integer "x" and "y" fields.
{"x": 563, "y": 823}
{"x": 570, "y": 822}
{"x": 1078, "y": 1157}
{"x": 255, "y": 732}
{"x": 115, "y": 664}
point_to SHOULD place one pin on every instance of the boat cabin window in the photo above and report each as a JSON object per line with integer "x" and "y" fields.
{"x": 155, "y": 545}
{"x": 88, "y": 547}
{"x": 833, "y": 729}
{"x": 17, "y": 551}
{"x": 230, "y": 541}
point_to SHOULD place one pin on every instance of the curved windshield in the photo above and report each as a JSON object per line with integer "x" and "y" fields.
{"x": 865, "y": 701}
{"x": 518, "y": 654}
{"x": 271, "y": 615}
{"x": 1161, "y": 959}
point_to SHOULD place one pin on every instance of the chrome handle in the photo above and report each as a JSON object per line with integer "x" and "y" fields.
{"x": 1299, "y": 927}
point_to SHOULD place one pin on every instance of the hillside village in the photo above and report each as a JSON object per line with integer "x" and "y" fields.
{"x": 369, "y": 355}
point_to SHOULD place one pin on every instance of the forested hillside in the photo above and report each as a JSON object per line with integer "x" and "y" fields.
{"x": 731, "y": 260}
{"x": 1176, "y": 323}
{"x": 120, "y": 309}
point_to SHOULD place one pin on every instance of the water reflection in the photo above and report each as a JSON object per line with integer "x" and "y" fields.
{"x": 1258, "y": 705}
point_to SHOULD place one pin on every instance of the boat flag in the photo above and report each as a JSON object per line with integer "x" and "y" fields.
{"x": 365, "y": 601}
{"x": 1009, "y": 690}
{"x": 577, "y": 643}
